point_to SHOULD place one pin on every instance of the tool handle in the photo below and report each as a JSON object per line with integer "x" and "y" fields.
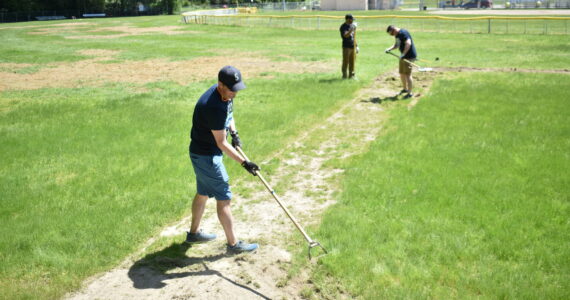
{"x": 305, "y": 235}
{"x": 389, "y": 52}
{"x": 411, "y": 63}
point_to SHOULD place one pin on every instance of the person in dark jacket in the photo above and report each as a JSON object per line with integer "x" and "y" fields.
{"x": 349, "y": 46}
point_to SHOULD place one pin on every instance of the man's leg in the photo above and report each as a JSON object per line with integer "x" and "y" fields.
{"x": 410, "y": 82}
{"x": 227, "y": 220}
{"x": 407, "y": 82}
{"x": 402, "y": 70}
{"x": 198, "y": 206}
{"x": 344, "y": 61}
{"x": 351, "y": 62}
{"x": 404, "y": 79}
{"x": 195, "y": 235}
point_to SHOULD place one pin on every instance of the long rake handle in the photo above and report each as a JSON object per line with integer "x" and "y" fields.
{"x": 411, "y": 63}
{"x": 309, "y": 240}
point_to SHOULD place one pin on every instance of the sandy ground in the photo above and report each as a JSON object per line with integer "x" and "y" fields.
{"x": 207, "y": 271}
{"x": 504, "y": 12}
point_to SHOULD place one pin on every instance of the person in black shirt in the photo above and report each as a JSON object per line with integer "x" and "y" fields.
{"x": 212, "y": 118}
{"x": 408, "y": 54}
{"x": 349, "y": 46}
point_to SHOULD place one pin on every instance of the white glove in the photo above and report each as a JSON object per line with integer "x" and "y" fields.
{"x": 357, "y": 49}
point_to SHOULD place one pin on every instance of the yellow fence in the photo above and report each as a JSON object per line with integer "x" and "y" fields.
{"x": 485, "y": 24}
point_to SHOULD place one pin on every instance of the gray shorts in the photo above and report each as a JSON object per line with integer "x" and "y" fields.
{"x": 212, "y": 180}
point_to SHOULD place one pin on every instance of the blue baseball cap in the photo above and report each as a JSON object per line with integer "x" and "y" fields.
{"x": 231, "y": 77}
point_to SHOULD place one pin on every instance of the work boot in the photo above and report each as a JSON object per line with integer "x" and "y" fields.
{"x": 242, "y": 246}
{"x": 199, "y": 237}
{"x": 408, "y": 95}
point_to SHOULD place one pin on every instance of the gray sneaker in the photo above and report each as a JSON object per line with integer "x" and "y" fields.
{"x": 242, "y": 246}
{"x": 199, "y": 237}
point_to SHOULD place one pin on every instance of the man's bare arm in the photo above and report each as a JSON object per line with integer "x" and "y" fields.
{"x": 222, "y": 143}
{"x": 407, "y": 47}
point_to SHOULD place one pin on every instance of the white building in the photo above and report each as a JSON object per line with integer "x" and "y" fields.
{"x": 356, "y": 4}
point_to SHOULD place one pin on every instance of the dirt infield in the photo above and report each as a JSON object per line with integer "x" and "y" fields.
{"x": 504, "y": 12}
{"x": 98, "y": 71}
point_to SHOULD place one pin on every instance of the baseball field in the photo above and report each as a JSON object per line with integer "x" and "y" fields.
{"x": 460, "y": 192}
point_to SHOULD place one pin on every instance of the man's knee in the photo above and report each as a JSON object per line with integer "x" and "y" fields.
{"x": 223, "y": 203}
{"x": 202, "y": 198}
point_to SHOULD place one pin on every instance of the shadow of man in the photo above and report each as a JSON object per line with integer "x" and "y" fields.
{"x": 330, "y": 80}
{"x": 379, "y": 100}
{"x": 151, "y": 271}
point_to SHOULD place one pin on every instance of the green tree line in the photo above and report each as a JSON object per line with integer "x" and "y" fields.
{"x": 93, "y": 6}
{"x": 169, "y": 6}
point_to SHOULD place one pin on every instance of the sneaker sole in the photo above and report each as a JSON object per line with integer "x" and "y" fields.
{"x": 244, "y": 251}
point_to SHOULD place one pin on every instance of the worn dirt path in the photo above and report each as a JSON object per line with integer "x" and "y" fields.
{"x": 205, "y": 271}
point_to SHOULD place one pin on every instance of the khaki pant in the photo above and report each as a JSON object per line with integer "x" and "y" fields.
{"x": 405, "y": 67}
{"x": 348, "y": 60}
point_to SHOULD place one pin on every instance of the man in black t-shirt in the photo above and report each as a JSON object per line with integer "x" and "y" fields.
{"x": 213, "y": 117}
{"x": 408, "y": 54}
{"x": 349, "y": 46}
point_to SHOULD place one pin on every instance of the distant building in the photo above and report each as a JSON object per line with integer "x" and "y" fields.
{"x": 357, "y": 4}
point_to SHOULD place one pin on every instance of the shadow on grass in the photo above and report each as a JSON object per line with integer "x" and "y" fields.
{"x": 151, "y": 271}
{"x": 331, "y": 80}
{"x": 379, "y": 100}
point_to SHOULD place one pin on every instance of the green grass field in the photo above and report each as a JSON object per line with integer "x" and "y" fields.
{"x": 467, "y": 196}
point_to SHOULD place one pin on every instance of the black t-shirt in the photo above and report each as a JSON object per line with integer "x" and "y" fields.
{"x": 403, "y": 36}
{"x": 349, "y": 41}
{"x": 210, "y": 113}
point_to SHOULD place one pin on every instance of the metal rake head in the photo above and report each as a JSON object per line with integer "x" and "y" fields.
{"x": 314, "y": 244}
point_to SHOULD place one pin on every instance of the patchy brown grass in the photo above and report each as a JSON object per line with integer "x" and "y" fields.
{"x": 112, "y": 32}
{"x": 12, "y": 67}
{"x": 96, "y": 72}
{"x": 102, "y": 54}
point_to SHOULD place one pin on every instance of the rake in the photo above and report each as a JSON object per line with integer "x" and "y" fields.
{"x": 312, "y": 243}
{"x": 411, "y": 63}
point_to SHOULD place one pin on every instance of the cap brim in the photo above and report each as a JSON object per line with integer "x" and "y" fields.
{"x": 238, "y": 86}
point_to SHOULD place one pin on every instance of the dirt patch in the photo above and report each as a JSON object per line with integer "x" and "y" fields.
{"x": 112, "y": 32}
{"x": 96, "y": 72}
{"x": 206, "y": 272}
{"x": 13, "y": 67}
{"x": 122, "y": 31}
{"x": 73, "y": 24}
{"x": 100, "y": 53}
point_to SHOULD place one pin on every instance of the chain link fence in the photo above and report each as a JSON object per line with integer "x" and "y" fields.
{"x": 490, "y": 25}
